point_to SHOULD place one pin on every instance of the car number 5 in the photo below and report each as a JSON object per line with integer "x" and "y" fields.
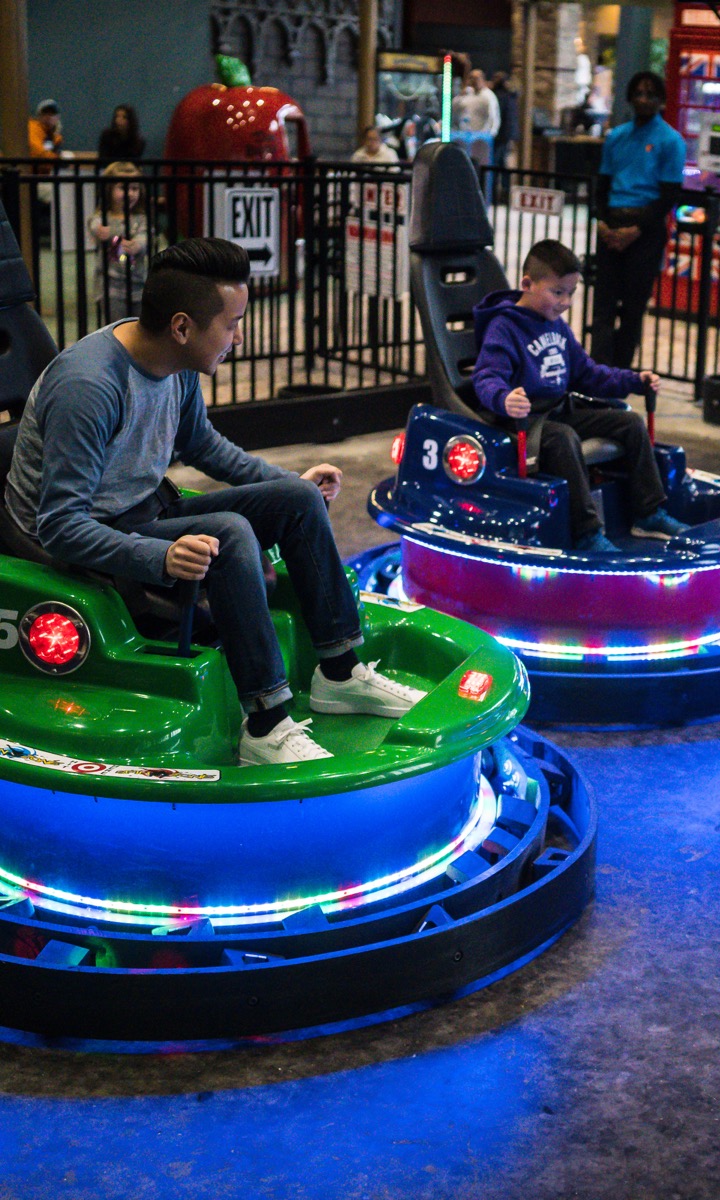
{"x": 8, "y": 631}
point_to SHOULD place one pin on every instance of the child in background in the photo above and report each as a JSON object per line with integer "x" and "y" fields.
{"x": 121, "y": 237}
{"x": 529, "y": 359}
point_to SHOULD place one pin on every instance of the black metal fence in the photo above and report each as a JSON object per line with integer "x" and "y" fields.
{"x": 330, "y": 302}
{"x": 681, "y": 330}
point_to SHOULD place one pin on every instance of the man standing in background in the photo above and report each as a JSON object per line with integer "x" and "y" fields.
{"x": 640, "y": 177}
{"x": 476, "y": 119}
{"x": 476, "y": 108}
{"x": 509, "y": 130}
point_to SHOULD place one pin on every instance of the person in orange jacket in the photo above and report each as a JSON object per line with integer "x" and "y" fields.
{"x": 44, "y": 136}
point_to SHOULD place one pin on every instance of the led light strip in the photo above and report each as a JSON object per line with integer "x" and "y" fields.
{"x": 570, "y": 653}
{"x": 611, "y": 653}
{"x": 446, "y": 98}
{"x": 653, "y": 575}
{"x": 129, "y": 913}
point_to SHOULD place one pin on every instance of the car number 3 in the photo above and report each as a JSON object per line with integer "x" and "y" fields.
{"x": 8, "y": 631}
{"x": 430, "y": 454}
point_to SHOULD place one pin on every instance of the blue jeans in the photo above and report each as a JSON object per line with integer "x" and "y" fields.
{"x": 246, "y": 520}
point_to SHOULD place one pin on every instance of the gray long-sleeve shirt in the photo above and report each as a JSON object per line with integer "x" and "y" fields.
{"x": 96, "y": 437}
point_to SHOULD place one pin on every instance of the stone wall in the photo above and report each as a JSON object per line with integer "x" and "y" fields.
{"x": 309, "y": 49}
{"x": 555, "y": 62}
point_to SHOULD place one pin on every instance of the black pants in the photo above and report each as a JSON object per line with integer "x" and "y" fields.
{"x": 561, "y": 454}
{"x": 623, "y": 286}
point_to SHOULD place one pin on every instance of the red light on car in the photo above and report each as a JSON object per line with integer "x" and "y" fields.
{"x": 464, "y": 459}
{"x": 475, "y": 685}
{"x": 397, "y": 449}
{"x": 54, "y": 638}
{"x": 69, "y": 707}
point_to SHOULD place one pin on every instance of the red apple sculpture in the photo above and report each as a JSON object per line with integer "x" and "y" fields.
{"x": 236, "y": 124}
{"x": 215, "y": 123}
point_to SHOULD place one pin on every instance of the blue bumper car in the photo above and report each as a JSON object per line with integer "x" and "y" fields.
{"x": 623, "y": 639}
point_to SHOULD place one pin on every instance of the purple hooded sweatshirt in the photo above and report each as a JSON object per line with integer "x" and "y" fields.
{"x": 519, "y": 348}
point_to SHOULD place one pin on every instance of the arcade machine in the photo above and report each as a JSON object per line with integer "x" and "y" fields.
{"x": 409, "y": 93}
{"x": 693, "y": 77}
{"x": 693, "y": 108}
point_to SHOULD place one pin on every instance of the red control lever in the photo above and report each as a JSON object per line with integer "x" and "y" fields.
{"x": 522, "y": 428}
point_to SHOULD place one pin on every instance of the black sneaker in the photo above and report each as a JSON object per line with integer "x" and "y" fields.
{"x": 658, "y": 525}
{"x": 596, "y": 543}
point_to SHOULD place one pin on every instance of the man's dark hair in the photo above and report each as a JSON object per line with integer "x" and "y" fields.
{"x": 550, "y": 258}
{"x": 656, "y": 81}
{"x": 184, "y": 278}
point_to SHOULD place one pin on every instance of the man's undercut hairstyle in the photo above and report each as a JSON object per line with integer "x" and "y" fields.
{"x": 656, "y": 81}
{"x": 185, "y": 278}
{"x": 550, "y": 258}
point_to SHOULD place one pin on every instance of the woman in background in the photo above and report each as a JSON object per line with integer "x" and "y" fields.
{"x": 121, "y": 141}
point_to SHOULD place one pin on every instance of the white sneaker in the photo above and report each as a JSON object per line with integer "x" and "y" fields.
{"x": 367, "y": 691}
{"x": 286, "y": 743}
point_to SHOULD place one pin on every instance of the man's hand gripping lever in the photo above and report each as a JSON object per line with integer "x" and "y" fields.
{"x": 188, "y": 560}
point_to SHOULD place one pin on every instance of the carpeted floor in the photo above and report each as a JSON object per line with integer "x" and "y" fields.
{"x": 593, "y": 1073}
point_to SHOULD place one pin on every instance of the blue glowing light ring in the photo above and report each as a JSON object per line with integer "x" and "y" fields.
{"x": 238, "y": 863}
{"x": 84, "y": 986}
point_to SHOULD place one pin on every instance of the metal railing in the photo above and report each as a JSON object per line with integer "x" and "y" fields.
{"x": 329, "y": 296}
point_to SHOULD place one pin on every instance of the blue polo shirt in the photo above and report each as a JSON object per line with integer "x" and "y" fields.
{"x": 638, "y": 158}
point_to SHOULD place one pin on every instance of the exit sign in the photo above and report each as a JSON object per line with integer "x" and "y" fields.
{"x": 252, "y": 218}
{"x": 546, "y": 202}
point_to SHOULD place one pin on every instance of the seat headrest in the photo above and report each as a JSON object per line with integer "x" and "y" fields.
{"x": 15, "y": 283}
{"x": 448, "y": 210}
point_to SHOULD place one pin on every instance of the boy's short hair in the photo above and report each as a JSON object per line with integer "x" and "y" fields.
{"x": 550, "y": 258}
{"x": 184, "y": 278}
{"x": 657, "y": 82}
